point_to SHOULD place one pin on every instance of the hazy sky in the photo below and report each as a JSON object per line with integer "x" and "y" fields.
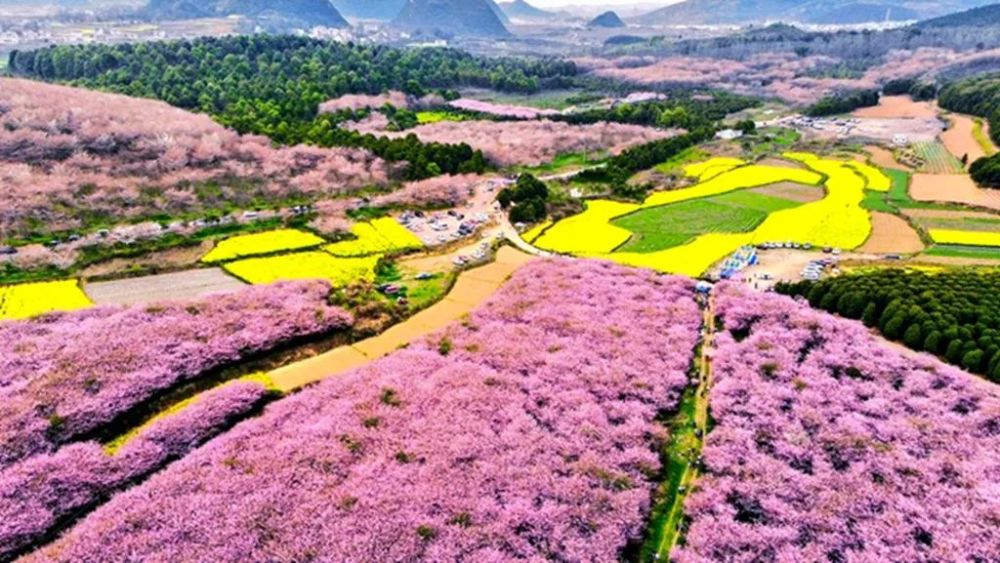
{"x": 608, "y": 3}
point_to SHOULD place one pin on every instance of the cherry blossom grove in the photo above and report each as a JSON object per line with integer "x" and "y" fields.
{"x": 554, "y": 386}
{"x": 65, "y": 375}
{"x": 105, "y": 153}
{"x": 536, "y": 142}
{"x": 831, "y": 445}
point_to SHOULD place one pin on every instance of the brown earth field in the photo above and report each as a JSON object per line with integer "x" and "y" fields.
{"x": 891, "y": 234}
{"x": 952, "y": 188}
{"x": 897, "y": 107}
{"x": 792, "y": 191}
{"x": 171, "y": 259}
{"x": 959, "y": 140}
{"x": 883, "y": 157}
{"x": 192, "y": 284}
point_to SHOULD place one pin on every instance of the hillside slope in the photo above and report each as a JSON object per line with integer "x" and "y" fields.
{"x": 473, "y": 18}
{"x": 608, "y": 19}
{"x": 370, "y": 9}
{"x": 295, "y": 12}
{"x": 521, "y": 10}
{"x": 806, "y": 11}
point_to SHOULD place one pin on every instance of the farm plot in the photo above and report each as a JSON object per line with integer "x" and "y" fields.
{"x": 837, "y": 220}
{"x": 960, "y": 139}
{"x": 956, "y": 220}
{"x": 891, "y": 234}
{"x": 658, "y": 228}
{"x": 259, "y": 244}
{"x": 339, "y": 272}
{"x": 192, "y": 284}
{"x": 934, "y": 158}
{"x": 32, "y": 299}
{"x": 380, "y": 236}
{"x": 966, "y": 238}
{"x": 590, "y": 232}
{"x": 952, "y": 188}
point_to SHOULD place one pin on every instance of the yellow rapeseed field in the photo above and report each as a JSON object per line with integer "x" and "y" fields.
{"x": 712, "y": 167}
{"x": 875, "y": 178}
{"x": 303, "y": 266}
{"x": 589, "y": 232}
{"x": 530, "y": 235}
{"x": 258, "y": 244}
{"x": 31, "y": 299}
{"x": 380, "y": 236}
{"x": 968, "y": 238}
{"x": 837, "y": 220}
{"x": 736, "y": 179}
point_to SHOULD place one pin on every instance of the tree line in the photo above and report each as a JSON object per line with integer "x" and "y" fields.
{"x": 979, "y": 96}
{"x": 273, "y": 85}
{"x": 844, "y": 102}
{"x": 953, "y": 315}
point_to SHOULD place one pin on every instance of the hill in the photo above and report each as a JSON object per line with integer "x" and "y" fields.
{"x": 521, "y": 10}
{"x": 704, "y": 12}
{"x": 977, "y": 17}
{"x": 285, "y": 13}
{"x": 370, "y": 9}
{"x": 450, "y": 17}
{"x": 608, "y": 19}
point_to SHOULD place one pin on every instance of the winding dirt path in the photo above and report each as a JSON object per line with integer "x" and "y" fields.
{"x": 471, "y": 289}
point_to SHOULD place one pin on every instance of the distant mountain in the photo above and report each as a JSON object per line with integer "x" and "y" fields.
{"x": 708, "y": 12}
{"x": 474, "y": 18}
{"x": 608, "y": 19}
{"x": 521, "y": 10}
{"x": 370, "y": 9}
{"x": 500, "y": 14}
{"x": 278, "y": 13}
{"x": 976, "y": 17}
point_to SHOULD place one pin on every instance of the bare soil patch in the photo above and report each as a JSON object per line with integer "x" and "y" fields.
{"x": 883, "y": 157}
{"x": 891, "y": 234}
{"x": 949, "y": 214}
{"x": 164, "y": 260}
{"x": 781, "y": 162}
{"x": 191, "y": 284}
{"x": 792, "y": 191}
{"x": 960, "y": 141}
{"x": 898, "y": 107}
{"x": 952, "y": 188}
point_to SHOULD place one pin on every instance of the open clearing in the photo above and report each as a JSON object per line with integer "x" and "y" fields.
{"x": 952, "y": 188}
{"x": 891, "y": 234}
{"x": 960, "y": 139}
{"x": 897, "y": 107}
{"x": 791, "y": 191}
{"x": 883, "y": 157}
{"x": 176, "y": 286}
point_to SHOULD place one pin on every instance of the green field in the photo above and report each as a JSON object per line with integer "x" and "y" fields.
{"x": 659, "y": 228}
{"x": 687, "y": 156}
{"x": 549, "y": 99}
{"x": 955, "y": 251}
{"x": 980, "y": 224}
{"x": 564, "y": 163}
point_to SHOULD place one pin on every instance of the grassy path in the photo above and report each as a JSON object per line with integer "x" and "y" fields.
{"x": 687, "y": 431}
{"x": 472, "y": 288}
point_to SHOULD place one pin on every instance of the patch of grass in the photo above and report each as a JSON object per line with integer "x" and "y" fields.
{"x": 956, "y": 251}
{"x": 427, "y": 117}
{"x": 982, "y": 138}
{"x": 563, "y": 163}
{"x": 659, "y": 228}
{"x": 876, "y": 201}
{"x": 676, "y": 164}
{"x": 548, "y": 99}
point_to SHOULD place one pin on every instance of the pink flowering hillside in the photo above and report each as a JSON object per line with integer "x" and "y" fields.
{"x": 831, "y": 445}
{"x": 535, "y": 142}
{"x": 526, "y": 432}
{"x": 66, "y": 152}
{"x": 42, "y": 491}
{"x": 65, "y": 376}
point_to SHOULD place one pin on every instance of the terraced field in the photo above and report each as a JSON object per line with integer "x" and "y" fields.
{"x": 688, "y": 230}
